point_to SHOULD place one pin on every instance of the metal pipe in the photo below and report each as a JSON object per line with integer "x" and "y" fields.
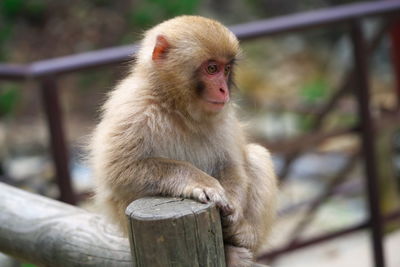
{"x": 306, "y": 20}
{"x": 395, "y": 49}
{"x": 245, "y": 31}
{"x": 367, "y": 136}
{"x": 322, "y": 238}
{"x": 58, "y": 146}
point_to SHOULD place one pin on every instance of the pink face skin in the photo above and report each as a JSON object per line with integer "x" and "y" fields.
{"x": 214, "y": 74}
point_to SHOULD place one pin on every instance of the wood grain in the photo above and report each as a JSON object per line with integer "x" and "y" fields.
{"x": 169, "y": 232}
{"x": 175, "y": 232}
{"x": 49, "y": 233}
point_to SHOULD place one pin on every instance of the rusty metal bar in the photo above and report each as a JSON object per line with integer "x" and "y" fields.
{"x": 306, "y": 20}
{"x": 395, "y": 49}
{"x": 344, "y": 88}
{"x": 59, "y": 149}
{"x": 325, "y": 109}
{"x": 312, "y": 241}
{"x": 319, "y": 200}
{"x": 13, "y": 72}
{"x": 322, "y": 238}
{"x": 367, "y": 136}
{"x": 246, "y": 31}
{"x": 67, "y": 64}
{"x": 82, "y": 61}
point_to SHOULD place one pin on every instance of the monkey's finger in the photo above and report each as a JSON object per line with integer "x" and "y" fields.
{"x": 199, "y": 195}
{"x": 214, "y": 196}
{"x": 221, "y": 201}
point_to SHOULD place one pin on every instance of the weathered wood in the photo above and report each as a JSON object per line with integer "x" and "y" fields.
{"x": 165, "y": 232}
{"x": 49, "y": 233}
{"x": 175, "y": 232}
{"x": 7, "y": 261}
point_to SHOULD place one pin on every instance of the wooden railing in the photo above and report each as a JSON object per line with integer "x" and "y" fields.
{"x": 47, "y": 232}
{"x": 162, "y": 232}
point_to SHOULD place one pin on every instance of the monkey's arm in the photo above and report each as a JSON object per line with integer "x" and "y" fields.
{"x": 162, "y": 176}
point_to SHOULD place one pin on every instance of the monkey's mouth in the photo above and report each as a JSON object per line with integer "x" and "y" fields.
{"x": 215, "y": 105}
{"x": 216, "y": 102}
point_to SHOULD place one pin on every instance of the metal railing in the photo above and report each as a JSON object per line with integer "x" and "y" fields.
{"x": 46, "y": 73}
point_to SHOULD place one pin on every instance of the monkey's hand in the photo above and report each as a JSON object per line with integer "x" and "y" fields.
{"x": 215, "y": 194}
{"x": 179, "y": 179}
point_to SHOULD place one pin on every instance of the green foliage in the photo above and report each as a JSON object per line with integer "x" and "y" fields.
{"x": 28, "y": 265}
{"x": 9, "y": 96}
{"x": 144, "y": 15}
{"x": 314, "y": 91}
{"x": 5, "y": 34}
{"x": 94, "y": 77}
{"x": 102, "y": 3}
{"x": 305, "y": 122}
{"x": 35, "y": 11}
{"x": 11, "y": 8}
{"x": 148, "y": 13}
{"x": 32, "y": 10}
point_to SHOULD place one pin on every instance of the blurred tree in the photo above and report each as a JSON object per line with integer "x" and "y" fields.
{"x": 9, "y": 96}
{"x": 150, "y": 12}
{"x": 269, "y": 8}
{"x": 315, "y": 91}
{"x": 33, "y": 11}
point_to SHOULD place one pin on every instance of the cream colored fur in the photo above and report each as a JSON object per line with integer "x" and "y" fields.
{"x": 155, "y": 139}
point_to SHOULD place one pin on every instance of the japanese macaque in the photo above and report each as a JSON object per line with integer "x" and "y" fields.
{"x": 169, "y": 128}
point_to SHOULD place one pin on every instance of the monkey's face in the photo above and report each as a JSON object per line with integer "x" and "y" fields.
{"x": 213, "y": 86}
{"x": 194, "y": 76}
{"x": 190, "y": 64}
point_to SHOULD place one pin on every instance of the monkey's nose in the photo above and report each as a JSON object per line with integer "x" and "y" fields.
{"x": 224, "y": 91}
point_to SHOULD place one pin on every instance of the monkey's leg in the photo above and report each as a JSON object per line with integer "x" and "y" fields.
{"x": 237, "y": 256}
{"x": 239, "y": 241}
{"x": 262, "y": 196}
{"x": 246, "y": 235}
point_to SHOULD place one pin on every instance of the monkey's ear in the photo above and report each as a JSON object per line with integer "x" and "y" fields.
{"x": 161, "y": 48}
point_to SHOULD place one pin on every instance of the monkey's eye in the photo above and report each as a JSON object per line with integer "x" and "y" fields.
{"x": 227, "y": 69}
{"x": 212, "y": 68}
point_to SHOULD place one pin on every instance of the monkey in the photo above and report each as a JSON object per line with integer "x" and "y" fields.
{"x": 170, "y": 128}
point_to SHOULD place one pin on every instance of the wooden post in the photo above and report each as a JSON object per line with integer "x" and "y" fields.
{"x": 175, "y": 232}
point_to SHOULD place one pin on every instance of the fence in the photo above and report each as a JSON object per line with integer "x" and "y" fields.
{"x": 46, "y": 73}
{"x": 162, "y": 231}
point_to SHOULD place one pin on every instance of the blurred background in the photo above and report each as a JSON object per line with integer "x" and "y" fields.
{"x": 294, "y": 89}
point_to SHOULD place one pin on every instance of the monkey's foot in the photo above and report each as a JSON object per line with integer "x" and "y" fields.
{"x": 238, "y": 256}
{"x": 242, "y": 235}
{"x": 229, "y": 220}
